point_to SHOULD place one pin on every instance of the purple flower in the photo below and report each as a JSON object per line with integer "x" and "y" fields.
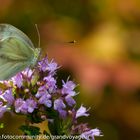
{"x": 50, "y": 83}
{"x": 42, "y": 91}
{"x": 89, "y": 135}
{"x": 44, "y": 96}
{"x": 68, "y": 88}
{"x": 8, "y": 96}
{"x": 52, "y": 67}
{"x": 18, "y": 80}
{"x": 70, "y": 101}
{"x": 3, "y": 109}
{"x": 20, "y": 106}
{"x": 62, "y": 113}
{"x": 31, "y": 105}
{"x": 46, "y": 100}
{"x": 43, "y": 64}
{"x": 25, "y": 107}
{"x": 82, "y": 111}
{"x": 36, "y": 92}
{"x": 59, "y": 104}
{"x": 28, "y": 73}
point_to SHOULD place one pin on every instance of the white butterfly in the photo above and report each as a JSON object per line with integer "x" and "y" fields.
{"x": 17, "y": 52}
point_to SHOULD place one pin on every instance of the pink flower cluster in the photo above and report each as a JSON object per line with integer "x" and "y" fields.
{"x": 36, "y": 90}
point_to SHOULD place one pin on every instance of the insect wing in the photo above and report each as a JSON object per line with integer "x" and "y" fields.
{"x": 15, "y": 56}
{"x": 7, "y": 30}
{"x": 9, "y": 69}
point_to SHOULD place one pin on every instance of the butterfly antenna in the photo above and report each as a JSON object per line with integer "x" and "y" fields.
{"x": 38, "y": 35}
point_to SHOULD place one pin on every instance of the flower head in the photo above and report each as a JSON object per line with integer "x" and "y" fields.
{"x": 8, "y": 96}
{"x": 52, "y": 67}
{"x": 70, "y": 101}
{"x": 59, "y": 104}
{"x": 82, "y": 111}
{"x": 42, "y": 90}
{"x": 20, "y": 106}
{"x": 50, "y": 83}
{"x": 17, "y": 79}
{"x": 28, "y": 73}
{"x": 46, "y": 100}
{"x": 37, "y": 96}
{"x": 43, "y": 64}
{"x": 68, "y": 88}
{"x": 31, "y": 105}
{"x": 90, "y": 135}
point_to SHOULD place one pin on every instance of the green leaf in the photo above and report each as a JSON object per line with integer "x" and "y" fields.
{"x": 30, "y": 130}
{"x": 58, "y": 126}
{"x": 66, "y": 125}
{"x": 55, "y": 125}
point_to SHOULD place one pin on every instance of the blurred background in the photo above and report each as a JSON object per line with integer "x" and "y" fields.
{"x": 105, "y": 60}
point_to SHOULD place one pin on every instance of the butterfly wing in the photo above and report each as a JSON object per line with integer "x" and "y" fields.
{"x": 7, "y": 30}
{"x": 16, "y": 51}
{"x": 15, "y": 56}
{"x": 9, "y": 69}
